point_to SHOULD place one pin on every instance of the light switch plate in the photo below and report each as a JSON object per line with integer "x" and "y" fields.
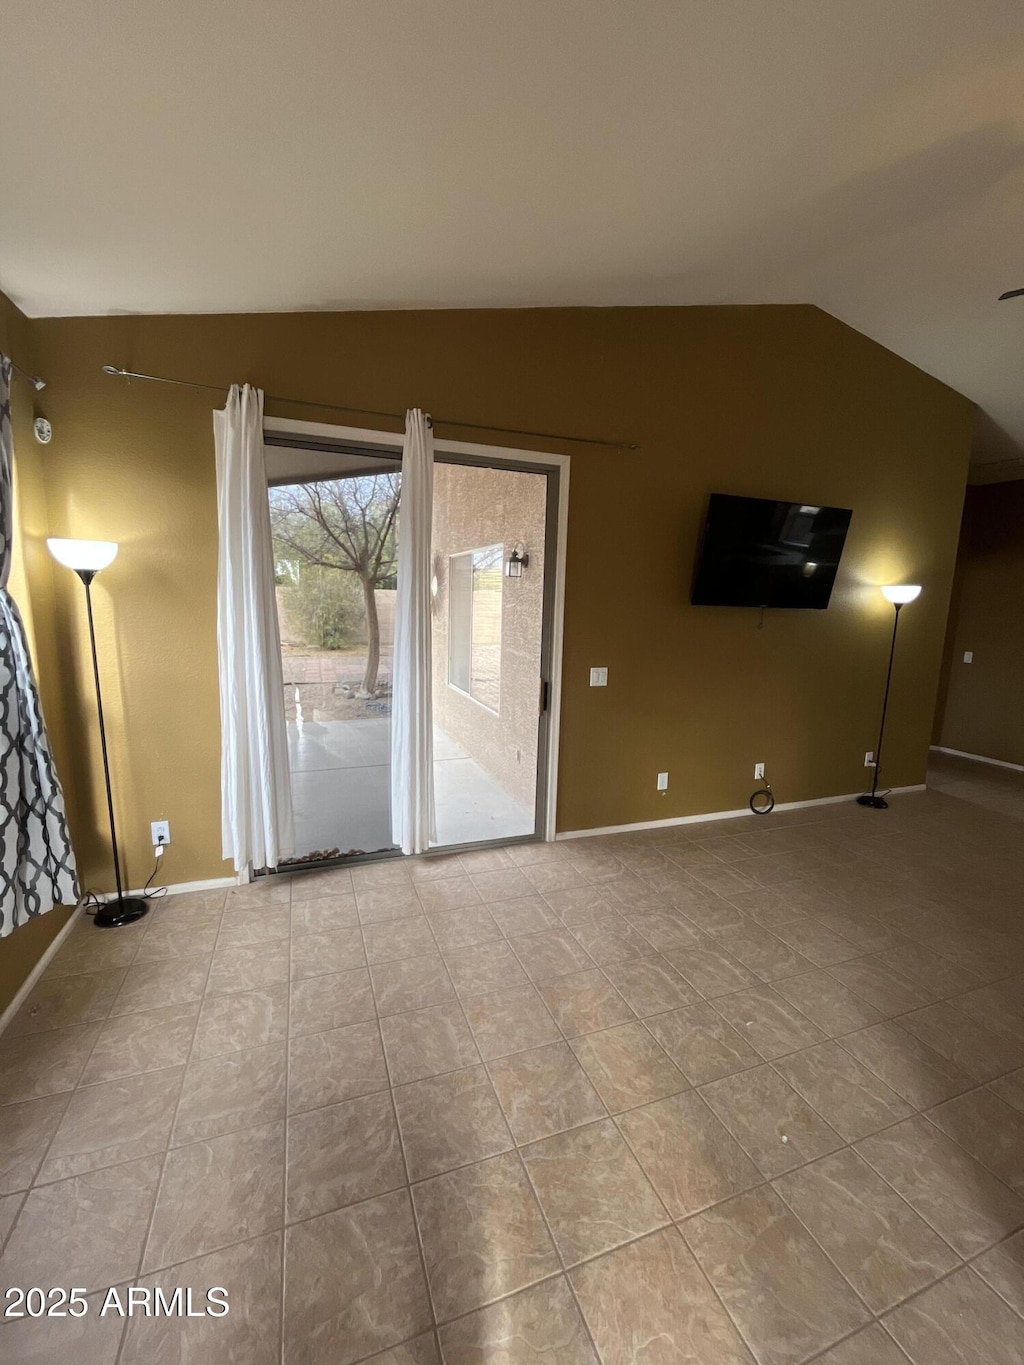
{"x": 968, "y": 656}
{"x": 599, "y": 677}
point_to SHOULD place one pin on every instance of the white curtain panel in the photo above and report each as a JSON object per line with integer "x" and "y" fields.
{"x": 413, "y": 825}
{"x": 256, "y": 803}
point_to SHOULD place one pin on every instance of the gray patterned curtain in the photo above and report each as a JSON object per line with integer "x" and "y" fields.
{"x": 37, "y": 865}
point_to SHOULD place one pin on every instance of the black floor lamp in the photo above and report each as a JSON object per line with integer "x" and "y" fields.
{"x": 87, "y": 558}
{"x": 899, "y": 594}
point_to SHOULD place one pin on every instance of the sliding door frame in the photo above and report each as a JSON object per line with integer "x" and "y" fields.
{"x": 557, "y": 530}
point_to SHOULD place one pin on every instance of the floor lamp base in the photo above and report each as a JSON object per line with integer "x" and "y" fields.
{"x": 875, "y": 802}
{"x": 123, "y": 911}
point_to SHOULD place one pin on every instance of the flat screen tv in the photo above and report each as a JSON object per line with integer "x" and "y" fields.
{"x": 760, "y": 553}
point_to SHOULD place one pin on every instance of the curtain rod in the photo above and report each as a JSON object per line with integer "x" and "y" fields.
{"x": 373, "y": 412}
{"x": 32, "y": 379}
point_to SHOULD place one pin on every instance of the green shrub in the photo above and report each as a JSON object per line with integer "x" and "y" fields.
{"x": 326, "y": 607}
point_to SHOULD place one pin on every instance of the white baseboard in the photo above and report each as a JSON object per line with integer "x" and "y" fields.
{"x": 722, "y": 814}
{"x": 37, "y": 971}
{"x": 978, "y": 758}
{"x": 211, "y": 884}
{"x": 178, "y": 888}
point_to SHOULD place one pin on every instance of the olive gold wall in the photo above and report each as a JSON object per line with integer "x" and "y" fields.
{"x": 31, "y": 587}
{"x": 771, "y": 401}
{"x": 981, "y": 706}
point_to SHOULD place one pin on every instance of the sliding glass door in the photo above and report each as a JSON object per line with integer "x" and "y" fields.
{"x": 335, "y": 547}
{"x": 334, "y": 514}
{"x": 488, "y": 641}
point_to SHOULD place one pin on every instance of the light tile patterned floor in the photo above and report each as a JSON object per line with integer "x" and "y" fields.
{"x": 718, "y": 1093}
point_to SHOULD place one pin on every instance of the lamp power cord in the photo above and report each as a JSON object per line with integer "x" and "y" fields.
{"x": 92, "y": 901}
{"x": 762, "y": 802}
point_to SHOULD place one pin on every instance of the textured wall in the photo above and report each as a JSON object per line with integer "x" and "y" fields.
{"x": 981, "y": 710}
{"x": 474, "y": 508}
{"x": 771, "y": 401}
{"x": 31, "y": 586}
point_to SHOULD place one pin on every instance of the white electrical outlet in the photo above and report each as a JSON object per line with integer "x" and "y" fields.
{"x": 869, "y": 759}
{"x": 160, "y": 830}
{"x": 599, "y": 677}
{"x": 758, "y": 772}
{"x": 968, "y": 656}
{"x": 663, "y": 782}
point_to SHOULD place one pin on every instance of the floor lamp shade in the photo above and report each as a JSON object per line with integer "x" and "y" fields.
{"x": 87, "y": 558}
{"x": 898, "y": 594}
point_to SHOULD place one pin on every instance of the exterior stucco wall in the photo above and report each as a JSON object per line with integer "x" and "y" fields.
{"x": 474, "y": 508}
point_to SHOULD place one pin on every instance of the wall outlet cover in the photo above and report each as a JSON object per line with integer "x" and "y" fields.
{"x": 599, "y": 677}
{"x": 869, "y": 759}
{"x": 663, "y": 782}
{"x": 758, "y": 772}
{"x": 160, "y": 831}
{"x": 968, "y": 656}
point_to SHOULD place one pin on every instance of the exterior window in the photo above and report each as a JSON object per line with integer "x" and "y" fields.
{"x": 474, "y": 624}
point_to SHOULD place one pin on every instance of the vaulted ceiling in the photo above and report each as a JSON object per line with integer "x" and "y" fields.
{"x": 863, "y": 155}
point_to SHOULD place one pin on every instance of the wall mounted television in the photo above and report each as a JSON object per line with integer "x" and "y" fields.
{"x": 758, "y": 553}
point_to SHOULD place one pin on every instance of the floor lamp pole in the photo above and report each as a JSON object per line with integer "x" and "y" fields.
{"x": 875, "y": 801}
{"x": 125, "y": 909}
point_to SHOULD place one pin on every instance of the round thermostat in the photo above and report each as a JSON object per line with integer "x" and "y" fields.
{"x": 43, "y": 431}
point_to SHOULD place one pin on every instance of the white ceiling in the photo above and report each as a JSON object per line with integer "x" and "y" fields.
{"x": 863, "y": 155}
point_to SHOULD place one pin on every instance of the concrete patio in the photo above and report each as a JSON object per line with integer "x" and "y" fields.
{"x": 340, "y": 789}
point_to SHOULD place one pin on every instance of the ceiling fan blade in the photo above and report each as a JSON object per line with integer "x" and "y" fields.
{"x": 1010, "y": 294}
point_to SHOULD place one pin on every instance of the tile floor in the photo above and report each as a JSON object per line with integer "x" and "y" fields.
{"x": 751, "y": 1091}
{"x": 986, "y": 784}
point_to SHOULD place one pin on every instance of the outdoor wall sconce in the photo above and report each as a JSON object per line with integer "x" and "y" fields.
{"x": 517, "y": 561}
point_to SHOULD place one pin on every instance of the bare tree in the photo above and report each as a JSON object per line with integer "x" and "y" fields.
{"x": 346, "y": 524}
